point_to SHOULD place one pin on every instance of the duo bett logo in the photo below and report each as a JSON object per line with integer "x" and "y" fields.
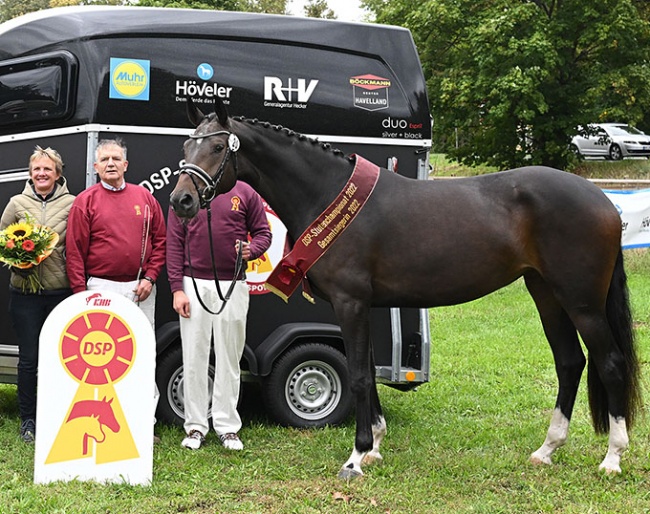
{"x": 129, "y": 79}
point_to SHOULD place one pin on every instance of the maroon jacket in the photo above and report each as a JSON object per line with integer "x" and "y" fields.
{"x": 235, "y": 215}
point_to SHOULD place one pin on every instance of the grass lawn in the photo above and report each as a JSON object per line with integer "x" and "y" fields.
{"x": 458, "y": 444}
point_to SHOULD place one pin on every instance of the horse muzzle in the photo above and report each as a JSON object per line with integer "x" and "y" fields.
{"x": 185, "y": 204}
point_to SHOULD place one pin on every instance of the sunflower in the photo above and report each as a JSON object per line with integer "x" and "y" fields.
{"x": 18, "y": 231}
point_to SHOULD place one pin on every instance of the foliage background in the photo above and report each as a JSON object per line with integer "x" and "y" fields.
{"x": 510, "y": 80}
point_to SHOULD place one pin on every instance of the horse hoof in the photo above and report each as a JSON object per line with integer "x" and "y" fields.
{"x": 372, "y": 458}
{"x": 540, "y": 461}
{"x": 349, "y": 474}
{"x": 616, "y": 470}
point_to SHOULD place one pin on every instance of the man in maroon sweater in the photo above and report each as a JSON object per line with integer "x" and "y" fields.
{"x": 116, "y": 233}
{"x": 236, "y": 215}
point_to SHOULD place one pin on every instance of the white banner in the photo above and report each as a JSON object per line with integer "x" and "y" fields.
{"x": 634, "y": 208}
{"x": 95, "y": 404}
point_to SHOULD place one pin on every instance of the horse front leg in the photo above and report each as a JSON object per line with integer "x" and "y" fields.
{"x": 378, "y": 427}
{"x": 353, "y": 316}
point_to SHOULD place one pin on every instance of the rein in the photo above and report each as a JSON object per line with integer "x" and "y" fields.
{"x": 209, "y": 193}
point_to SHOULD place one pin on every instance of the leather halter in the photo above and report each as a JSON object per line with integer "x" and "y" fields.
{"x": 211, "y": 183}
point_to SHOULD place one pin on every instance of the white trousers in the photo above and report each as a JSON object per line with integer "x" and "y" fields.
{"x": 126, "y": 289}
{"x": 148, "y": 307}
{"x": 228, "y": 331}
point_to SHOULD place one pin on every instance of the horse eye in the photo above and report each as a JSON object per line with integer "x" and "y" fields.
{"x": 218, "y": 148}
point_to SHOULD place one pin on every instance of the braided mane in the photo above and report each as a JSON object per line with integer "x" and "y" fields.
{"x": 291, "y": 133}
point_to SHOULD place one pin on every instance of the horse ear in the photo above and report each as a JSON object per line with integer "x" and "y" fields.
{"x": 221, "y": 112}
{"x": 194, "y": 114}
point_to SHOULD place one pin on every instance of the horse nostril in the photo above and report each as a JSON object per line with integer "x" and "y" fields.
{"x": 186, "y": 200}
{"x": 183, "y": 204}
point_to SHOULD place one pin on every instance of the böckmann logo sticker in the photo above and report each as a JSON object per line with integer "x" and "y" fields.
{"x": 370, "y": 92}
{"x": 129, "y": 79}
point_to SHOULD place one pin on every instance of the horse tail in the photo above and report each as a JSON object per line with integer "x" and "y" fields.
{"x": 619, "y": 317}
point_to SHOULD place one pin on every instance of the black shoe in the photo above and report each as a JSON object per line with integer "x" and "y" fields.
{"x": 28, "y": 430}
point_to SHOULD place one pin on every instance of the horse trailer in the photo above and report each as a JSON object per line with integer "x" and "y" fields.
{"x": 72, "y": 76}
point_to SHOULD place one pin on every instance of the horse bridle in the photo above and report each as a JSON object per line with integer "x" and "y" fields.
{"x": 211, "y": 183}
{"x": 209, "y": 193}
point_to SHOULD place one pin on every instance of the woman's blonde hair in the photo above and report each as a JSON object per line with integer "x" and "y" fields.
{"x": 51, "y": 154}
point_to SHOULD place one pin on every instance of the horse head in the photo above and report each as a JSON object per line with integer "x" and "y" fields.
{"x": 210, "y": 161}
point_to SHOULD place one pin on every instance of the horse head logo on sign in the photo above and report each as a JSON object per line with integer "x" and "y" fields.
{"x": 95, "y": 415}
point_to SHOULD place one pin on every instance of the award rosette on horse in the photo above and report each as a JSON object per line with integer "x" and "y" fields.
{"x": 94, "y": 417}
{"x": 320, "y": 235}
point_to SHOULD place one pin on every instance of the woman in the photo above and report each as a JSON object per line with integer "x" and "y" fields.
{"x": 47, "y": 201}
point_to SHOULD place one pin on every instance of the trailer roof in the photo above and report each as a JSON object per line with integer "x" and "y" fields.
{"x": 64, "y": 24}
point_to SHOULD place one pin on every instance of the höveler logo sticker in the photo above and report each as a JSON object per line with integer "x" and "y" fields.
{"x": 370, "y": 92}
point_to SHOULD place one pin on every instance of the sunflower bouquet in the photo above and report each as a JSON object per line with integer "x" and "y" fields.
{"x": 24, "y": 245}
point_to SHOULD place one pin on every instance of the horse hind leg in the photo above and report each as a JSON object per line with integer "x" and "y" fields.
{"x": 612, "y": 387}
{"x": 613, "y": 375}
{"x": 569, "y": 364}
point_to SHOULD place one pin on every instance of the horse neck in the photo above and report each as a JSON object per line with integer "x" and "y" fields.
{"x": 297, "y": 178}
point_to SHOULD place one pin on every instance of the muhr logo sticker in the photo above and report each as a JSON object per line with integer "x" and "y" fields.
{"x": 370, "y": 92}
{"x": 129, "y": 79}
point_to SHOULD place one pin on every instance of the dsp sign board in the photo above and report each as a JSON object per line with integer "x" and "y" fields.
{"x": 95, "y": 405}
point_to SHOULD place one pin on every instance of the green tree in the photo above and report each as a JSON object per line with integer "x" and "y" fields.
{"x": 11, "y": 8}
{"x": 263, "y": 6}
{"x": 509, "y": 80}
{"x": 225, "y": 5}
{"x": 319, "y": 9}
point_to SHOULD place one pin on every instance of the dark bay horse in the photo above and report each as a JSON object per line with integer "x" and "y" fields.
{"x": 428, "y": 243}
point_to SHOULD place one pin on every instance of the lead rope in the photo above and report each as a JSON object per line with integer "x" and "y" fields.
{"x": 238, "y": 269}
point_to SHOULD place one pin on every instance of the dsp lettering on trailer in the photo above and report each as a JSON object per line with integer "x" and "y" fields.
{"x": 130, "y": 79}
{"x": 370, "y": 92}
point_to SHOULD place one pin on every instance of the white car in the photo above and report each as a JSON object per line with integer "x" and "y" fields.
{"x": 612, "y": 141}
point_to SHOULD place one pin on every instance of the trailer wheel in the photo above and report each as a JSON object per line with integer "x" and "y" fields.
{"x": 169, "y": 377}
{"x": 309, "y": 387}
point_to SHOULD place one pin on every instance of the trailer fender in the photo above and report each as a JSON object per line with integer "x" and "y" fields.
{"x": 286, "y": 335}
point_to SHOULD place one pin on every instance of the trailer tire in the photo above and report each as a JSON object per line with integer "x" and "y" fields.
{"x": 169, "y": 377}
{"x": 309, "y": 387}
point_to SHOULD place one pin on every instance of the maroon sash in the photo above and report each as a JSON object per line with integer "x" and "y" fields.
{"x": 319, "y": 236}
